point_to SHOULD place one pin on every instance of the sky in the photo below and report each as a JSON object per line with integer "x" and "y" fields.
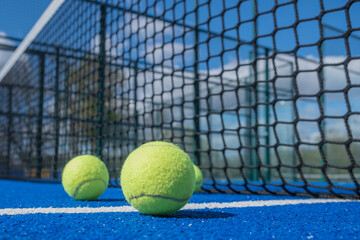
{"x": 174, "y": 43}
{"x": 16, "y": 19}
{"x": 213, "y": 18}
{"x": 18, "y": 16}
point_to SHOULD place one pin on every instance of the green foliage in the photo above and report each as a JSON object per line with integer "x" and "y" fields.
{"x": 88, "y": 104}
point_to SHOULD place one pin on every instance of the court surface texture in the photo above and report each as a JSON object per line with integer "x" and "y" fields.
{"x": 31, "y": 210}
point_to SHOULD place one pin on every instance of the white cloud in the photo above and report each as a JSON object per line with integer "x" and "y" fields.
{"x": 216, "y": 80}
{"x": 157, "y": 53}
{"x": 3, "y": 39}
{"x": 333, "y": 77}
{"x": 4, "y": 55}
{"x": 112, "y": 51}
{"x": 167, "y": 82}
{"x": 145, "y": 27}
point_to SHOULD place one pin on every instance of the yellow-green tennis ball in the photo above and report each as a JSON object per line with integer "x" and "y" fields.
{"x": 158, "y": 178}
{"x": 198, "y": 177}
{"x": 85, "y": 177}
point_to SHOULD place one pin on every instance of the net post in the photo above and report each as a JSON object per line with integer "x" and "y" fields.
{"x": 57, "y": 124}
{"x": 253, "y": 55}
{"x": 197, "y": 90}
{"x": 66, "y": 97}
{"x": 294, "y": 124}
{"x": 9, "y": 133}
{"x": 102, "y": 56}
{"x": 39, "y": 159}
{"x": 267, "y": 117}
{"x": 322, "y": 112}
{"x": 254, "y": 174}
{"x": 135, "y": 103}
{"x": 250, "y": 118}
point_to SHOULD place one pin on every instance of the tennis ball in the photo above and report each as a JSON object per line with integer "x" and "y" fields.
{"x": 85, "y": 177}
{"x": 198, "y": 177}
{"x": 158, "y": 178}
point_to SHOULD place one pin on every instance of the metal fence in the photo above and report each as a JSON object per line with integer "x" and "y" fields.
{"x": 262, "y": 95}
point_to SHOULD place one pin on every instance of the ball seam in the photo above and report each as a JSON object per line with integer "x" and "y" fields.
{"x": 159, "y": 196}
{"x": 90, "y": 180}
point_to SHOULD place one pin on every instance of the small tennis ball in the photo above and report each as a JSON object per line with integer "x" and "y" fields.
{"x": 158, "y": 178}
{"x": 85, "y": 177}
{"x": 198, "y": 177}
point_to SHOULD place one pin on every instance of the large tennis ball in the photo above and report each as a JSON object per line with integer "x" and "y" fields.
{"x": 85, "y": 177}
{"x": 198, "y": 177}
{"x": 158, "y": 178}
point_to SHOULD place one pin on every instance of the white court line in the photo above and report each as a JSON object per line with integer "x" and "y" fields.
{"x": 190, "y": 206}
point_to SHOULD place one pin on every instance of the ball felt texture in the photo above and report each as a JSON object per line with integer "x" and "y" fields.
{"x": 198, "y": 178}
{"x": 158, "y": 178}
{"x": 85, "y": 177}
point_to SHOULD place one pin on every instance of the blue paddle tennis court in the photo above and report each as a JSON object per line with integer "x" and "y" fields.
{"x": 31, "y": 210}
{"x": 262, "y": 95}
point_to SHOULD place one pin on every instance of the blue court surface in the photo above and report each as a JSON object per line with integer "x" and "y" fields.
{"x": 44, "y": 211}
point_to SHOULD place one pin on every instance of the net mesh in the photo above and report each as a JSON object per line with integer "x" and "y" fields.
{"x": 263, "y": 95}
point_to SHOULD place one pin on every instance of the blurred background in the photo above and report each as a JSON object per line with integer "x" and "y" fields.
{"x": 259, "y": 93}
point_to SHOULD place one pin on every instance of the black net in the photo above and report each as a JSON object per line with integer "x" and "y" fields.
{"x": 263, "y": 95}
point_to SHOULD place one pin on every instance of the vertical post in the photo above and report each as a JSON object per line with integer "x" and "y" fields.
{"x": 197, "y": 90}
{"x": 292, "y": 115}
{"x": 249, "y": 118}
{"x": 102, "y": 56}
{"x": 253, "y": 114}
{"x": 267, "y": 117}
{"x": 57, "y": 124}
{"x": 322, "y": 101}
{"x": 135, "y": 104}
{"x": 9, "y": 133}
{"x": 323, "y": 127}
{"x": 66, "y": 97}
{"x": 248, "y": 124}
{"x": 39, "y": 159}
{"x": 255, "y": 174}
